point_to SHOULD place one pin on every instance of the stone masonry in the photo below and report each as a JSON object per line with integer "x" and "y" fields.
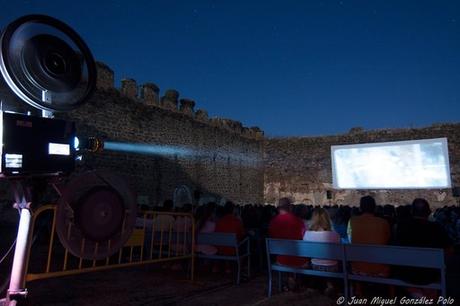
{"x": 300, "y": 167}
{"x": 225, "y": 163}
{"x": 228, "y": 160}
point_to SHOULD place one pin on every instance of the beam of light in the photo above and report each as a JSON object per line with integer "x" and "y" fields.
{"x": 147, "y": 149}
{"x": 219, "y": 157}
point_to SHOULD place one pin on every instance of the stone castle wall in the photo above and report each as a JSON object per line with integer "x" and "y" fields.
{"x": 225, "y": 160}
{"x": 228, "y": 160}
{"x": 300, "y": 167}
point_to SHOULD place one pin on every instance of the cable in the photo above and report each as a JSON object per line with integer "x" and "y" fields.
{"x": 8, "y": 252}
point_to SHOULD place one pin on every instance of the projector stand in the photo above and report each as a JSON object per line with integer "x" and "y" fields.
{"x": 16, "y": 291}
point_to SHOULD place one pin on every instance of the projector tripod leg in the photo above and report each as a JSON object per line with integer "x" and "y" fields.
{"x": 16, "y": 291}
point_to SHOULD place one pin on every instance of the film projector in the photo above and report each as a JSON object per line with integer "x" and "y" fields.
{"x": 48, "y": 66}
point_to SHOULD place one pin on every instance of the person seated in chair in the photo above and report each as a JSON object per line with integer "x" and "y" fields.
{"x": 206, "y": 224}
{"x": 229, "y": 223}
{"x": 418, "y": 231}
{"x": 321, "y": 231}
{"x": 369, "y": 229}
{"x": 286, "y": 225}
{"x": 164, "y": 222}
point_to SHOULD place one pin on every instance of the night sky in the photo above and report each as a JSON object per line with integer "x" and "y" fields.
{"x": 290, "y": 67}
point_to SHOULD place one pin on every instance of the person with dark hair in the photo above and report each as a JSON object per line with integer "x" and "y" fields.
{"x": 164, "y": 222}
{"x": 389, "y": 213}
{"x": 229, "y": 223}
{"x": 250, "y": 217}
{"x": 340, "y": 222}
{"x": 418, "y": 231}
{"x": 378, "y": 211}
{"x": 301, "y": 211}
{"x": 355, "y": 211}
{"x": 369, "y": 229}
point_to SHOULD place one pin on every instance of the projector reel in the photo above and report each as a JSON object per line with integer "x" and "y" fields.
{"x": 95, "y": 215}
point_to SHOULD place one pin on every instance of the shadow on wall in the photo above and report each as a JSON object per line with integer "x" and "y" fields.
{"x": 153, "y": 178}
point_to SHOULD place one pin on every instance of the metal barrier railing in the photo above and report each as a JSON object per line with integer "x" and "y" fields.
{"x": 157, "y": 237}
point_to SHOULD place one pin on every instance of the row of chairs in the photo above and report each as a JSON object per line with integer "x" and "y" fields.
{"x": 241, "y": 250}
{"x": 343, "y": 253}
{"x": 347, "y": 253}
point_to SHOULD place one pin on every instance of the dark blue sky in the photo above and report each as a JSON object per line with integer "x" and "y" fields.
{"x": 290, "y": 67}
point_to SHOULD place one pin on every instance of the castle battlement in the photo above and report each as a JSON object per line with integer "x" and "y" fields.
{"x": 149, "y": 94}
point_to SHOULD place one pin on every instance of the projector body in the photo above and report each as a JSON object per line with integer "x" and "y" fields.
{"x": 36, "y": 146}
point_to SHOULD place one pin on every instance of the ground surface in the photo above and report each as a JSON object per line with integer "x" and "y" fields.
{"x": 159, "y": 285}
{"x": 156, "y": 286}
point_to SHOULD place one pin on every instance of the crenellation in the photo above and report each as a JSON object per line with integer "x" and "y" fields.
{"x": 129, "y": 88}
{"x": 232, "y": 125}
{"x": 202, "y": 115}
{"x": 215, "y": 122}
{"x": 186, "y": 107}
{"x": 356, "y": 130}
{"x": 105, "y": 76}
{"x": 170, "y": 99}
{"x": 150, "y": 94}
{"x": 247, "y": 132}
{"x": 157, "y": 176}
{"x": 257, "y": 132}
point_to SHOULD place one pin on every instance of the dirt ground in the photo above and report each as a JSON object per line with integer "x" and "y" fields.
{"x": 153, "y": 285}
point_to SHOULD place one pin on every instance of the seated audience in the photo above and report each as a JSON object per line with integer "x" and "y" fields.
{"x": 369, "y": 229}
{"x": 389, "y": 214}
{"x": 206, "y": 224}
{"x": 164, "y": 222}
{"x": 183, "y": 223}
{"x": 321, "y": 231}
{"x": 340, "y": 222}
{"x": 287, "y": 226}
{"x": 182, "y": 229}
{"x": 302, "y": 211}
{"x": 229, "y": 223}
{"x": 403, "y": 213}
{"x": 418, "y": 231}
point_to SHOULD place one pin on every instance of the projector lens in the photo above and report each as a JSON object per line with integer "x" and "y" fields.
{"x": 76, "y": 143}
{"x": 40, "y": 54}
{"x": 55, "y": 63}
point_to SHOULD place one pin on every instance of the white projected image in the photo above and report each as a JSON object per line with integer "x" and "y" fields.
{"x": 404, "y": 164}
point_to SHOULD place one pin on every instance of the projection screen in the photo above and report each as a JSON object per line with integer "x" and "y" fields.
{"x": 414, "y": 164}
